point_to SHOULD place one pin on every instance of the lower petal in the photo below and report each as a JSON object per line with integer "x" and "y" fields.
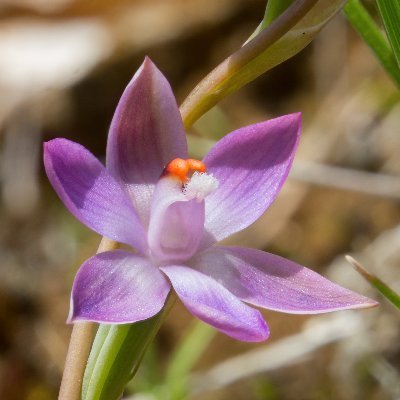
{"x": 117, "y": 287}
{"x": 275, "y": 283}
{"x": 212, "y": 303}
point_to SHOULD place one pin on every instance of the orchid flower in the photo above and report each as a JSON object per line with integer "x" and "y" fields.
{"x": 173, "y": 210}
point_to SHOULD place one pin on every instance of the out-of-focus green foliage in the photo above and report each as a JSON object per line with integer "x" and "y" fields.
{"x": 366, "y": 27}
{"x": 174, "y": 385}
{"x": 185, "y": 357}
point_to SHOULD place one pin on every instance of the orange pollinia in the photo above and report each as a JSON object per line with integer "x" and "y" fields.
{"x": 181, "y": 168}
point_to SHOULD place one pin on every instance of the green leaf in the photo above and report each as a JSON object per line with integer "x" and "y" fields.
{"x": 295, "y": 40}
{"x": 366, "y": 27}
{"x": 390, "y": 13}
{"x": 259, "y": 55}
{"x": 116, "y": 355}
{"x": 273, "y": 10}
{"x": 384, "y": 289}
{"x": 98, "y": 343}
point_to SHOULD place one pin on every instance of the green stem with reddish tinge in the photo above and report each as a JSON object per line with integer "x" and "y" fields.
{"x": 218, "y": 83}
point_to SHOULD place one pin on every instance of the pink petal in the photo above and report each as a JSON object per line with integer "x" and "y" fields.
{"x": 272, "y": 282}
{"x": 212, "y": 303}
{"x": 117, "y": 287}
{"x": 176, "y": 224}
{"x": 251, "y": 165}
{"x": 146, "y": 134}
{"x": 91, "y": 194}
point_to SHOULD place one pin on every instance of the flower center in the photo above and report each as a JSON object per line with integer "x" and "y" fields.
{"x": 191, "y": 173}
{"x": 176, "y": 225}
{"x": 183, "y": 169}
{"x": 200, "y": 186}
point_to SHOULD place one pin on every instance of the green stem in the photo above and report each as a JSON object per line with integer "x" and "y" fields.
{"x": 366, "y": 27}
{"x": 218, "y": 83}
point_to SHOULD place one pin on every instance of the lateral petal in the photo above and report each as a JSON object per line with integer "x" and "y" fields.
{"x": 117, "y": 287}
{"x": 91, "y": 194}
{"x": 269, "y": 281}
{"x": 251, "y": 164}
{"x": 212, "y": 303}
{"x": 146, "y": 134}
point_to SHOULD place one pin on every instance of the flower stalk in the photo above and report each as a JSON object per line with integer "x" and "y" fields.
{"x": 80, "y": 344}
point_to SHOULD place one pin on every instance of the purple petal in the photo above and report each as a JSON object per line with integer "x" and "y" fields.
{"x": 117, "y": 287}
{"x": 146, "y": 134}
{"x": 251, "y": 165}
{"x": 91, "y": 194}
{"x": 176, "y": 224}
{"x": 212, "y": 303}
{"x": 272, "y": 282}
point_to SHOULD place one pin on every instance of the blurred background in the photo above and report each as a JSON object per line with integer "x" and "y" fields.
{"x": 63, "y": 67}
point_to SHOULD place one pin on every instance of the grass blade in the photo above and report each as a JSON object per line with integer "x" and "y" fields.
{"x": 390, "y": 13}
{"x": 384, "y": 289}
{"x": 366, "y": 27}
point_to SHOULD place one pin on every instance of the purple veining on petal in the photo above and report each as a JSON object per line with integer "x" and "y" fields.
{"x": 146, "y": 134}
{"x": 117, "y": 287}
{"x": 91, "y": 194}
{"x": 251, "y": 164}
{"x": 212, "y": 303}
{"x": 269, "y": 281}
